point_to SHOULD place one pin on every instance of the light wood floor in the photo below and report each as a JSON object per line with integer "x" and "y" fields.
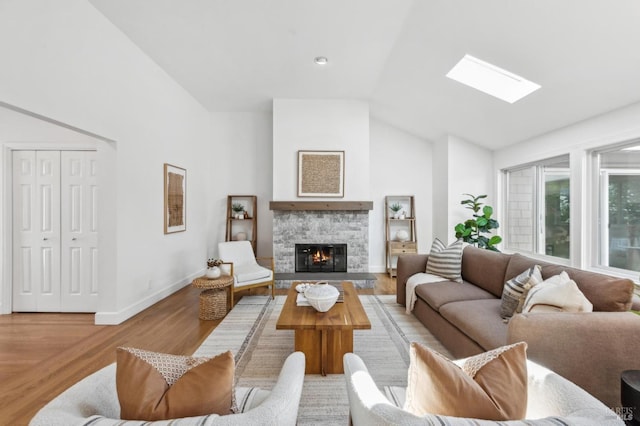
{"x": 43, "y": 354}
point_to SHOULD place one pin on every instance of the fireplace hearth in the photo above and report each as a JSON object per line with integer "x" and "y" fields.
{"x": 321, "y": 257}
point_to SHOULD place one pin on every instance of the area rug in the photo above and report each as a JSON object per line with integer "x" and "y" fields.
{"x": 249, "y": 331}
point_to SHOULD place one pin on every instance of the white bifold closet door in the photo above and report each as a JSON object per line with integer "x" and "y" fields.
{"x": 55, "y": 233}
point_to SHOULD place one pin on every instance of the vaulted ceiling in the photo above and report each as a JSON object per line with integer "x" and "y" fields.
{"x": 238, "y": 55}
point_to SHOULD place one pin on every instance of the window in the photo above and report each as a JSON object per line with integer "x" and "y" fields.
{"x": 619, "y": 208}
{"x": 537, "y": 208}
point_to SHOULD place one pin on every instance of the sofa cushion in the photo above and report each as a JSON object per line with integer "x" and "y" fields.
{"x": 250, "y": 272}
{"x": 440, "y": 293}
{"x": 445, "y": 261}
{"x": 605, "y": 292}
{"x": 556, "y": 294}
{"x": 516, "y": 289}
{"x": 490, "y": 386}
{"x": 155, "y": 386}
{"x": 479, "y": 320}
{"x": 485, "y": 268}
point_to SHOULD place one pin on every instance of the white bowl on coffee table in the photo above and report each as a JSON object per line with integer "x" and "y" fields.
{"x": 322, "y": 296}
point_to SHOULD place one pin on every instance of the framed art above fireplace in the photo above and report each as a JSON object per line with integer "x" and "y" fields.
{"x": 320, "y": 173}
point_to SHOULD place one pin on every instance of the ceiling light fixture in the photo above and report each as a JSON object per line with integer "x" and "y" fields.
{"x": 491, "y": 79}
{"x": 321, "y": 60}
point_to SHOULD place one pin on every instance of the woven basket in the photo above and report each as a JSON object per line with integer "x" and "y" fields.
{"x": 213, "y": 304}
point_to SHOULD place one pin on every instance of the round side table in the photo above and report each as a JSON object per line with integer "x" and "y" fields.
{"x": 213, "y": 298}
{"x": 630, "y": 396}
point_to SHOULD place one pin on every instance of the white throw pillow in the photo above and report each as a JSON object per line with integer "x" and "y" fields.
{"x": 557, "y": 294}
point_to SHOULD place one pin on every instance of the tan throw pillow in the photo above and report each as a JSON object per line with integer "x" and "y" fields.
{"x": 490, "y": 386}
{"x": 515, "y": 290}
{"x": 155, "y": 386}
{"x": 558, "y": 293}
{"x": 444, "y": 261}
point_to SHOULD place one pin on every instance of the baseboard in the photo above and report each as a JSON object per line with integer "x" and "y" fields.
{"x": 118, "y": 317}
{"x": 377, "y": 269}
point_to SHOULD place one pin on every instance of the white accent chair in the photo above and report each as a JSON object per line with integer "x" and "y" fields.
{"x": 551, "y": 400}
{"x": 94, "y": 401}
{"x": 246, "y": 271}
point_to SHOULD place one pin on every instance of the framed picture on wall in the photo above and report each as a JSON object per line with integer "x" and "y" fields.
{"x": 320, "y": 173}
{"x": 175, "y": 199}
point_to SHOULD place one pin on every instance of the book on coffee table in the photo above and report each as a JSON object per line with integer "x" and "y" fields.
{"x": 302, "y": 301}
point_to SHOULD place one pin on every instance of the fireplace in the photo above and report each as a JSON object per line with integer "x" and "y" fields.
{"x": 321, "y": 257}
{"x": 309, "y": 222}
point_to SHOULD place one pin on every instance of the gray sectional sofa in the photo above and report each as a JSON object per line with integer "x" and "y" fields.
{"x": 590, "y": 349}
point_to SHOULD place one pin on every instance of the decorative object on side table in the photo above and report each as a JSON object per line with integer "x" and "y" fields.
{"x": 213, "y": 268}
{"x": 322, "y": 296}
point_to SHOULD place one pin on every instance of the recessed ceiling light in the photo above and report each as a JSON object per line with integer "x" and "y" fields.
{"x": 491, "y": 79}
{"x": 321, "y": 60}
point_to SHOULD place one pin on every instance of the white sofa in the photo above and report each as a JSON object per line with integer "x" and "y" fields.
{"x": 94, "y": 401}
{"x": 552, "y": 400}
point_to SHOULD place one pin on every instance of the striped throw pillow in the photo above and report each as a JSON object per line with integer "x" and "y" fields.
{"x": 515, "y": 290}
{"x": 446, "y": 261}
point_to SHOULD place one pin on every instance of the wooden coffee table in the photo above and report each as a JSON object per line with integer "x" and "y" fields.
{"x": 324, "y": 337}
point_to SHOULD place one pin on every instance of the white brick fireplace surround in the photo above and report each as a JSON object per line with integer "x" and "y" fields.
{"x": 337, "y": 222}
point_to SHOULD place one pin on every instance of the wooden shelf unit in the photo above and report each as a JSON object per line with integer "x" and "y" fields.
{"x": 393, "y": 246}
{"x": 248, "y": 225}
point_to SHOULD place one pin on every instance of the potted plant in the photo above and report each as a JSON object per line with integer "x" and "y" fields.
{"x": 395, "y": 208}
{"x": 238, "y": 210}
{"x": 472, "y": 230}
{"x": 213, "y": 268}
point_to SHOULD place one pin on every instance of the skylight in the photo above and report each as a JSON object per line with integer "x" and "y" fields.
{"x": 491, "y": 79}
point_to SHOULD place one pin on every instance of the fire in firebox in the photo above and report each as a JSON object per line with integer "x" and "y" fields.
{"x": 321, "y": 258}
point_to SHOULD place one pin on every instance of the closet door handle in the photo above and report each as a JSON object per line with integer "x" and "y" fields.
{"x": 45, "y": 239}
{"x": 73, "y": 239}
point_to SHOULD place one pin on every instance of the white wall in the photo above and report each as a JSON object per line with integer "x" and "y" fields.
{"x": 613, "y": 127}
{"x": 470, "y": 172}
{"x": 401, "y": 165}
{"x": 460, "y": 167}
{"x": 66, "y": 61}
{"x": 241, "y": 165}
{"x": 334, "y": 125}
